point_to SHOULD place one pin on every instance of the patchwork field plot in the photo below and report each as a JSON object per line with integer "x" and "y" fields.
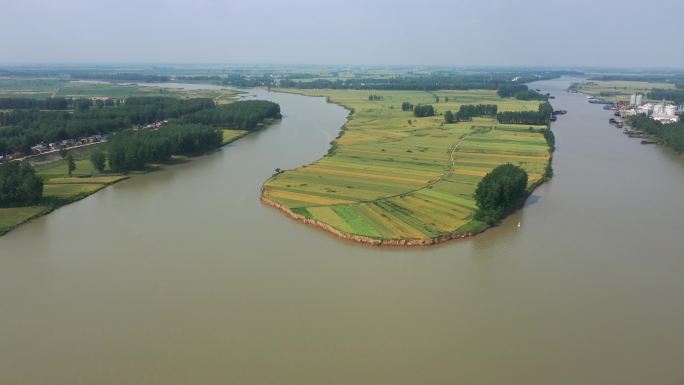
{"x": 395, "y": 178}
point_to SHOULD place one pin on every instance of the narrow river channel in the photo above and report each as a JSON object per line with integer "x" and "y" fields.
{"x": 183, "y": 277}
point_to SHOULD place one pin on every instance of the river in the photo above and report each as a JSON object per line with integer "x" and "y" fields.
{"x": 182, "y": 276}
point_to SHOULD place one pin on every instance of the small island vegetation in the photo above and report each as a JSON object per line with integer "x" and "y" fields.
{"x": 499, "y": 192}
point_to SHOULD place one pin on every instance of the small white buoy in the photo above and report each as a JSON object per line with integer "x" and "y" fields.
{"x": 518, "y": 224}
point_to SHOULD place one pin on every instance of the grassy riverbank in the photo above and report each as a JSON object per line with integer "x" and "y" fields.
{"x": 392, "y": 178}
{"x": 61, "y": 189}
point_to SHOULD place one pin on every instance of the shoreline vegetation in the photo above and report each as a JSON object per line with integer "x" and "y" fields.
{"x": 13, "y": 217}
{"x": 308, "y": 193}
{"x": 70, "y": 175}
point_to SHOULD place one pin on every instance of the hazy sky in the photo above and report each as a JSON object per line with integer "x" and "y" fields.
{"x": 622, "y": 33}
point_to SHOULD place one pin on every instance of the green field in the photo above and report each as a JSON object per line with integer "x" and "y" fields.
{"x": 33, "y": 88}
{"x": 393, "y": 176}
{"x": 619, "y": 90}
{"x": 230, "y": 136}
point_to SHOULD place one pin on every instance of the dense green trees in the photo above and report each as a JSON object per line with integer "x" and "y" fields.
{"x": 244, "y": 115}
{"x": 671, "y": 134}
{"x": 422, "y": 110}
{"x": 82, "y": 105}
{"x": 449, "y": 117}
{"x": 675, "y": 95}
{"x": 509, "y": 90}
{"x": 518, "y": 91}
{"x": 98, "y": 159}
{"x": 39, "y": 104}
{"x": 134, "y": 150}
{"x": 468, "y": 111}
{"x": 19, "y": 184}
{"x": 539, "y": 117}
{"x": 406, "y": 106}
{"x": 375, "y": 97}
{"x": 21, "y": 129}
{"x": 499, "y": 192}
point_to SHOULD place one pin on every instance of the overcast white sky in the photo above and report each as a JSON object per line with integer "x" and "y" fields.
{"x": 623, "y": 33}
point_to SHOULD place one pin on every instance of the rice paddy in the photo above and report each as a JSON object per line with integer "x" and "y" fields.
{"x": 392, "y": 176}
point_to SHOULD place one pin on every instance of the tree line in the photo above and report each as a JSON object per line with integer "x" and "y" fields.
{"x": 21, "y": 129}
{"x": 134, "y": 150}
{"x": 38, "y": 104}
{"x": 438, "y": 80}
{"x": 518, "y": 91}
{"x": 539, "y": 117}
{"x": 423, "y": 110}
{"x": 243, "y": 115}
{"x": 468, "y": 111}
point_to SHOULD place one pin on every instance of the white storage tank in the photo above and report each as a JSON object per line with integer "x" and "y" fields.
{"x": 632, "y": 100}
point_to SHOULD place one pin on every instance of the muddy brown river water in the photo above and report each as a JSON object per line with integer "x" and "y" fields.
{"x": 184, "y": 277}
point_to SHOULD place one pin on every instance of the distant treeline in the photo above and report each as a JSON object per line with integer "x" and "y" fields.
{"x": 519, "y": 91}
{"x": 134, "y": 150}
{"x": 39, "y": 104}
{"x": 21, "y": 129}
{"x": 671, "y": 134}
{"x": 675, "y": 95}
{"x": 120, "y": 77}
{"x": 247, "y": 81}
{"x": 430, "y": 82}
{"x": 539, "y": 117}
{"x": 675, "y": 78}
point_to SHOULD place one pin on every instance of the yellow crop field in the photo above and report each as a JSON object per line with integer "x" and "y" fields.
{"x": 392, "y": 176}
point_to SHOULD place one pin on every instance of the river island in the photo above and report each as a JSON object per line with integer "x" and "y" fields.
{"x": 406, "y": 165}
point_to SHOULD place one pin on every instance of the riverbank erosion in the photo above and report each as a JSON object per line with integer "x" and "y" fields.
{"x": 394, "y": 179}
